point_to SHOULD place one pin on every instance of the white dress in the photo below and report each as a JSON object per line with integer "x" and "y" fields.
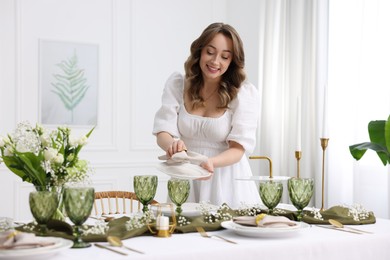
{"x": 210, "y": 136}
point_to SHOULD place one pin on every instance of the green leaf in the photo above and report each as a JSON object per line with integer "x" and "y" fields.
{"x": 387, "y": 136}
{"x": 379, "y": 132}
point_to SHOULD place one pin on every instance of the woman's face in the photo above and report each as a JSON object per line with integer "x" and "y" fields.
{"x": 216, "y": 57}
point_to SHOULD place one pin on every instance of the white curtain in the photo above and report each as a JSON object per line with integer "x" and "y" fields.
{"x": 359, "y": 91}
{"x": 293, "y": 65}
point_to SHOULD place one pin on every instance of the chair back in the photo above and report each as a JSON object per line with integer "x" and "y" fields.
{"x": 117, "y": 202}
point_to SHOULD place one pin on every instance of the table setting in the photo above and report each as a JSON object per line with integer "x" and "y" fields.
{"x": 65, "y": 227}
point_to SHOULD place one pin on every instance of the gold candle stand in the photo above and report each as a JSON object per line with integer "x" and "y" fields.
{"x": 324, "y": 144}
{"x": 265, "y": 158}
{"x": 298, "y": 155}
{"x": 154, "y": 229}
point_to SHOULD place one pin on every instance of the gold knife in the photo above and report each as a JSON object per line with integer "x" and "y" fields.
{"x": 111, "y": 249}
{"x": 339, "y": 229}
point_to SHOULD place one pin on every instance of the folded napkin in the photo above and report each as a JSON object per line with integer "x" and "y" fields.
{"x": 263, "y": 220}
{"x": 12, "y": 239}
{"x": 184, "y": 165}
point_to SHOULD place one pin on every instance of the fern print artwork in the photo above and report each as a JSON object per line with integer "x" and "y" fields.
{"x": 71, "y": 85}
{"x": 69, "y": 81}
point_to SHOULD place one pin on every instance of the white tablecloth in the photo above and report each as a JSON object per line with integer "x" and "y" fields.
{"x": 310, "y": 243}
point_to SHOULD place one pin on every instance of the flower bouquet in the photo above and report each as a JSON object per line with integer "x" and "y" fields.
{"x": 45, "y": 158}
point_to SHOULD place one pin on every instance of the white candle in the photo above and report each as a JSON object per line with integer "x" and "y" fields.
{"x": 325, "y": 114}
{"x": 162, "y": 223}
{"x": 298, "y": 122}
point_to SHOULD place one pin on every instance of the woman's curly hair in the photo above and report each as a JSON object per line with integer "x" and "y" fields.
{"x": 231, "y": 79}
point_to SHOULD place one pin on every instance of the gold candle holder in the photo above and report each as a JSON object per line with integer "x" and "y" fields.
{"x": 154, "y": 228}
{"x": 265, "y": 158}
{"x": 324, "y": 145}
{"x": 298, "y": 155}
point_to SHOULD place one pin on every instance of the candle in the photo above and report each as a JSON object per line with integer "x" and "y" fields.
{"x": 325, "y": 114}
{"x": 298, "y": 122}
{"x": 162, "y": 223}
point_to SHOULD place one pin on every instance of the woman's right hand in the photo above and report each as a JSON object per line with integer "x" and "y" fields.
{"x": 176, "y": 147}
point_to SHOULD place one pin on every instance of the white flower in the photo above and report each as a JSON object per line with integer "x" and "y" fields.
{"x": 22, "y": 148}
{"x": 50, "y": 154}
{"x": 2, "y": 143}
{"x": 59, "y": 159}
{"x": 73, "y": 141}
{"x": 45, "y": 139}
{"x": 8, "y": 151}
{"x": 83, "y": 140}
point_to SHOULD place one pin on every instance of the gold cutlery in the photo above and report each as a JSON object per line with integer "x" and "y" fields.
{"x": 204, "y": 234}
{"x": 337, "y": 224}
{"x": 116, "y": 241}
{"x": 111, "y": 249}
{"x": 339, "y": 229}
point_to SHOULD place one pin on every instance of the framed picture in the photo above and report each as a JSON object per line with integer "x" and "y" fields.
{"x": 68, "y": 83}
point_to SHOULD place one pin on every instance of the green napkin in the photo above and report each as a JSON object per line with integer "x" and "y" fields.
{"x": 117, "y": 227}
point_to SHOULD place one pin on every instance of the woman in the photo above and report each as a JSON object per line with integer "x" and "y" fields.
{"x": 213, "y": 111}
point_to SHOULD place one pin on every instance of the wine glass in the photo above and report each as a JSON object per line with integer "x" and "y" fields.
{"x": 270, "y": 194}
{"x": 145, "y": 187}
{"x": 300, "y": 191}
{"x": 43, "y": 205}
{"x": 78, "y": 203}
{"x": 178, "y": 191}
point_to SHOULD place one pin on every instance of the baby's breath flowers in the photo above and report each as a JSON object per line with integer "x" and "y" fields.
{"x": 44, "y": 157}
{"x": 138, "y": 221}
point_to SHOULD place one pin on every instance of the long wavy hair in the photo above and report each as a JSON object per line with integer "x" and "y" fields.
{"x": 231, "y": 80}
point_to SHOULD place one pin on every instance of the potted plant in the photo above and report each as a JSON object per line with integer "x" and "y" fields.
{"x": 379, "y": 132}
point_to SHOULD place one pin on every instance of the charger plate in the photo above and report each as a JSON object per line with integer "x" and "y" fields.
{"x": 251, "y": 231}
{"x": 60, "y": 244}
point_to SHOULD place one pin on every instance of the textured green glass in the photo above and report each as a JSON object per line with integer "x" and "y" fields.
{"x": 43, "y": 205}
{"x": 300, "y": 191}
{"x": 78, "y": 203}
{"x": 271, "y": 193}
{"x": 145, "y": 187}
{"x": 178, "y": 191}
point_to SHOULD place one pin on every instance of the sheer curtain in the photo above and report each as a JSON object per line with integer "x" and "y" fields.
{"x": 293, "y": 66}
{"x": 359, "y": 91}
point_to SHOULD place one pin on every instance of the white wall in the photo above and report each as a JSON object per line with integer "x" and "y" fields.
{"x": 140, "y": 44}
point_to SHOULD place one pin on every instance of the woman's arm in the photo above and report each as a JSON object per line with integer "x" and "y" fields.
{"x": 231, "y": 156}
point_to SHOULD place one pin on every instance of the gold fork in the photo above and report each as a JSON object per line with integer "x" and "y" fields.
{"x": 204, "y": 234}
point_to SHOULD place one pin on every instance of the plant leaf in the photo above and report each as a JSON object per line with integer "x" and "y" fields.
{"x": 387, "y": 136}
{"x": 358, "y": 150}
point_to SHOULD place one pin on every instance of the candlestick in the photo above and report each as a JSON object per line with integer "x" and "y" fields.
{"x": 298, "y": 155}
{"x": 298, "y": 122}
{"x": 266, "y": 158}
{"x": 325, "y": 114}
{"x": 324, "y": 145}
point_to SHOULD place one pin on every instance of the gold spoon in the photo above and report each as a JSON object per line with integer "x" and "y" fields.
{"x": 337, "y": 224}
{"x": 116, "y": 241}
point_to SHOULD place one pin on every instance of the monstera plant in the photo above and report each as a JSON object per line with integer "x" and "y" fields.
{"x": 379, "y": 132}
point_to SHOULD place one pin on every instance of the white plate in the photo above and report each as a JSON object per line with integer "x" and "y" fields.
{"x": 190, "y": 209}
{"x": 184, "y": 171}
{"x": 264, "y": 232}
{"x": 40, "y": 252}
{"x": 263, "y": 178}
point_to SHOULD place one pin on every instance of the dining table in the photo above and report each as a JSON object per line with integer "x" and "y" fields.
{"x": 312, "y": 242}
{"x": 308, "y": 241}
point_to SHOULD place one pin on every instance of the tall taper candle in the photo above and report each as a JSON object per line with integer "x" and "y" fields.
{"x": 325, "y": 114}
{"x": 298, "y": 122}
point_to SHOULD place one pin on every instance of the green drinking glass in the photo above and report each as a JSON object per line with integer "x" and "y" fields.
{"x": 78, "y": 203}
{"x": 300, "y": 191}
{"x": 271, "y": 193}
{"x": 178, "y": 191}
{"x": 43, "y": 205}
{"x": 145, "y": 187}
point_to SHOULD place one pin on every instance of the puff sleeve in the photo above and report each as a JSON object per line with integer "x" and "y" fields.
{"x": 246, "y": 112}
{"x": 166, "y": 117}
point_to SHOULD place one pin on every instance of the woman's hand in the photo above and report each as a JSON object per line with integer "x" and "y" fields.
{"x": 176, "y": 147}
{"x": 209, "y": 166}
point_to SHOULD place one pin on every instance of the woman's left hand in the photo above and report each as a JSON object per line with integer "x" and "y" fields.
{"x": 209, "y": 166}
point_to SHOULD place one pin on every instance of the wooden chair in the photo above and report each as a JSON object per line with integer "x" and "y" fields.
{"x": 117, "y": 202}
